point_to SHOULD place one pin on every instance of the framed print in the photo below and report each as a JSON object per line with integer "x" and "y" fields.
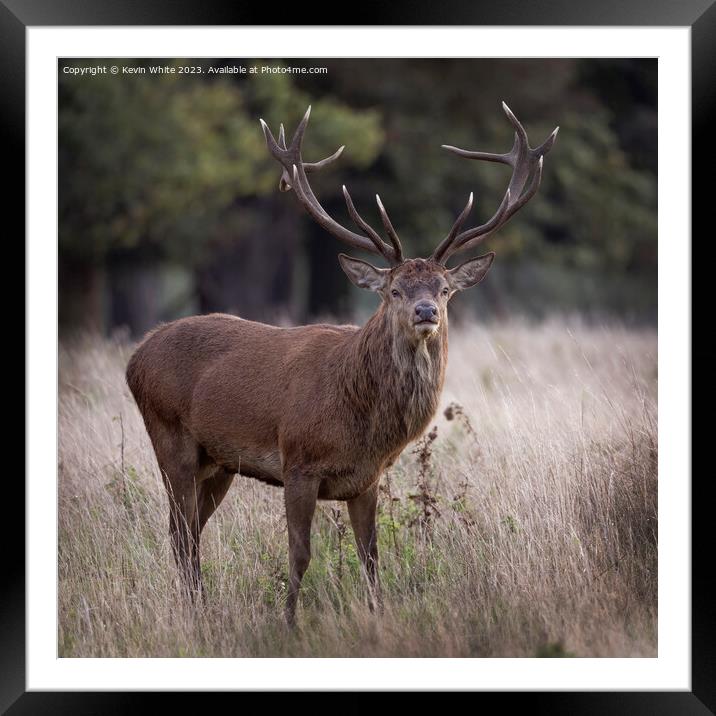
{"x": 523, "y": 497}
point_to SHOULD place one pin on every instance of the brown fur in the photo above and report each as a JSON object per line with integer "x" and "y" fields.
{"x": 319, "y": 409}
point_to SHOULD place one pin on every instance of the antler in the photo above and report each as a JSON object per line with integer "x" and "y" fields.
{"x": 294, "y": 176}
{"x": 525, "y": 162}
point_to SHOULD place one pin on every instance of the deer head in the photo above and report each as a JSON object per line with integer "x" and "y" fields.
{"x": 415, "y": 292}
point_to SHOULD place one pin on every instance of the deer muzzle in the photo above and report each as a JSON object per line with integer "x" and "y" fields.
{"x": 426, "y": 318}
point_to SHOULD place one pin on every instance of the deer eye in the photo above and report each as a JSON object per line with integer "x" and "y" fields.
{"x": 395, "y": 294}
{"x": 446, "y": 291}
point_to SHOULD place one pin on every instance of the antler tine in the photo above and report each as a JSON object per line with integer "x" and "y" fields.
{"x": 531, "y": 189}
{"x": 526, "y": 162}
{"x": 486, "y": 156}
{"x": 271, "y": 143}
{"x": 369, "y": 230}
{"x": 309, "y": 167}
{"x": 547, "y": 144}
{"x": 294, "y": 176}
{"x": 297, "y": 140}
{"x": 467, "y": 239}
{"x": 392, "y": 234}
{"x": 438, "y": 253}
{"x": 519, "y": 129}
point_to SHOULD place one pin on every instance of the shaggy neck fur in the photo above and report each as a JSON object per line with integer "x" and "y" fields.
{"x": 391, "y": 384}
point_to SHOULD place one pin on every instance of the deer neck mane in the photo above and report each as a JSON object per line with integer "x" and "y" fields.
{"x": 393, "y": 385}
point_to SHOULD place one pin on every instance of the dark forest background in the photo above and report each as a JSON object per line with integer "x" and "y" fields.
{"x": 169, "y": 201}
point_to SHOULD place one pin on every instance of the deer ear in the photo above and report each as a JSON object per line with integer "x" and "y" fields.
{"x": 470, "y": 273}
{"x": 362, "y": 274}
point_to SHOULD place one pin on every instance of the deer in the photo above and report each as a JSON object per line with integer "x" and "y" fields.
{"x": 319, "y": 410}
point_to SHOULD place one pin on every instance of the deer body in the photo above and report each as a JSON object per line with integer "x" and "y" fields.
{"x": 346, "y": 402}
{"x": 319, "y": 410}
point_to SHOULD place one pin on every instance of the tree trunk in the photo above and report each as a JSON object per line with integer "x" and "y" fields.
{"x": 251, "y": 274}
{"x": 81, "y": 296}
{"x": 135, "y": 294}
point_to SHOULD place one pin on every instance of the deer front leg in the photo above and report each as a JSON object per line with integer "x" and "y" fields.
{"x": 300, "y": 494}
{"x": 362, "y": 512}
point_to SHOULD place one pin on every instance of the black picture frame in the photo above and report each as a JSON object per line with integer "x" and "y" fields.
{"x": 700, "y": 15}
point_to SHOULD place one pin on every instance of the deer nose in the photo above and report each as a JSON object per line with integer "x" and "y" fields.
{"x": 426, "y": 311}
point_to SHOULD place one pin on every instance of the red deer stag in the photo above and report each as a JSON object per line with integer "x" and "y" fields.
{"x": 319, "y": 410}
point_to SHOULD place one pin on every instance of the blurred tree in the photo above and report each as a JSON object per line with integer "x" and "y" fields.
{"x": 159, "y": 169}
{"x": 629, "y": 88}
{"x": 170, "y": 167}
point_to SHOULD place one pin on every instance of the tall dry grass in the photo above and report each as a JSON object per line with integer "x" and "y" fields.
{"x": 524, "y": 525}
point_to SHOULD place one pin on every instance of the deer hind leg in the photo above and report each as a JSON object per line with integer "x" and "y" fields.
{"x": 300, "y": 495}
{"x": 212, "y": 492}
{"x": 211, "y": 487}
{"x": 178, "y": 457}
{"x": 362, "y": 512}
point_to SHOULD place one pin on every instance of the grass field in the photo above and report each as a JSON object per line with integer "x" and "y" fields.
{"x": 524, "y": 525}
